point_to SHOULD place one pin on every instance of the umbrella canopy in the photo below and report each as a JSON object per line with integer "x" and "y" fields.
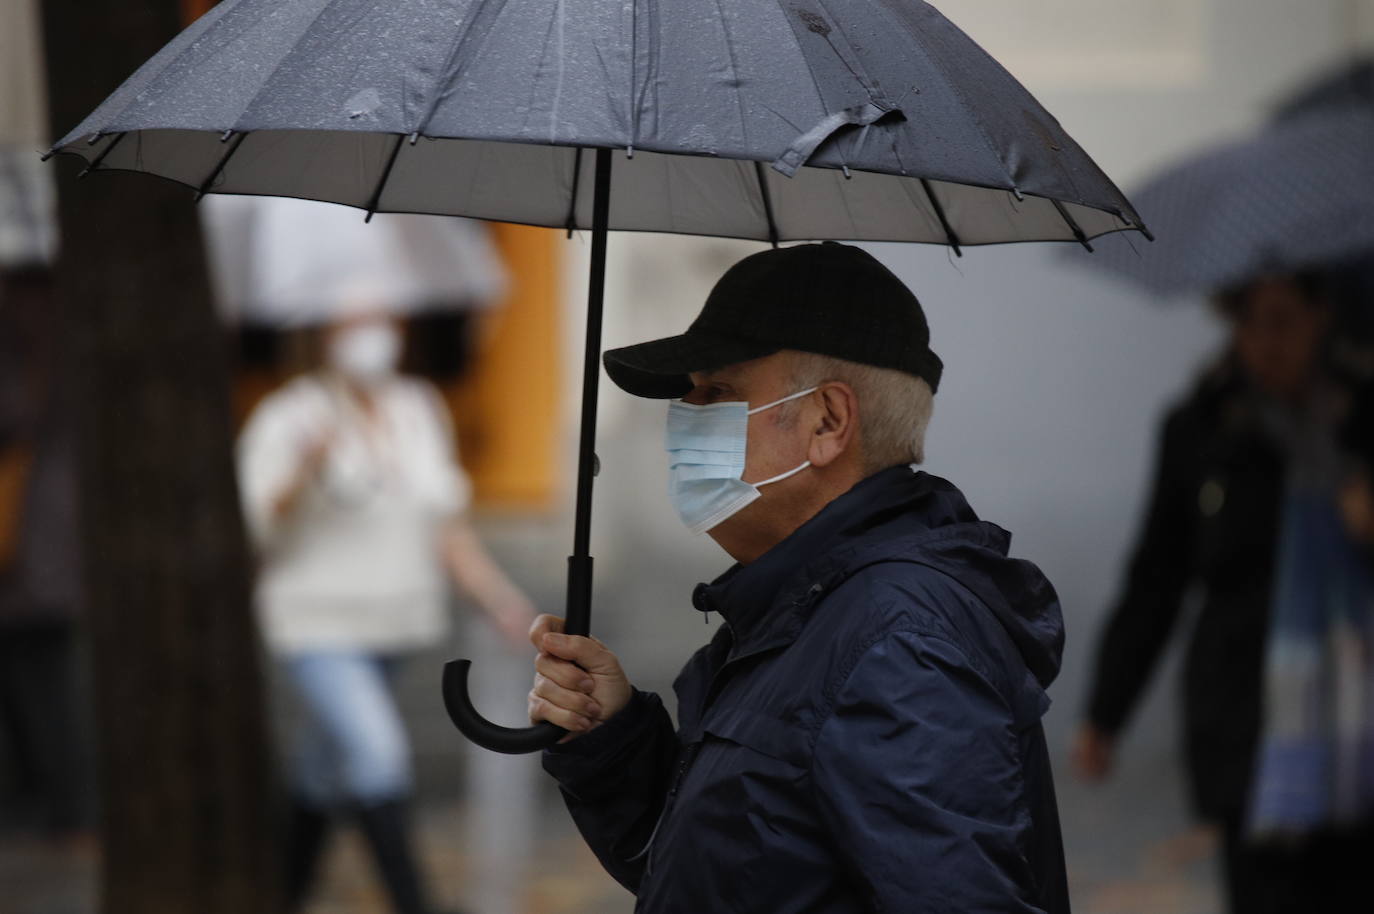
{"x": 1296, "y": 196}
{"x": 853, "y": 119}
{"x": 1351, "y": 84}
{"x": 479, "y": 108}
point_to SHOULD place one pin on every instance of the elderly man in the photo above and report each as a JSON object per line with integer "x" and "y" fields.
{"x": 863, "y": 734}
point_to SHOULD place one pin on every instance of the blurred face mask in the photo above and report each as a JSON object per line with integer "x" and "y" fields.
{"x": 367, "y": 352}
{"x": 705, "y": 447}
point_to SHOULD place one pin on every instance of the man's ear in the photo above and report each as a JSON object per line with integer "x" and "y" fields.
{"x": 834, "y": 427}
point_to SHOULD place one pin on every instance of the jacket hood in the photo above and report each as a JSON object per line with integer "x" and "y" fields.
{"x": 902, "y": 514}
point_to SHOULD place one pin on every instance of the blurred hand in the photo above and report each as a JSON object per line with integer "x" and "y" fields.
{"x": 1093, "y": 754}
{"x": 313, "y": 454}
{"x": 578, "y": 683}
{"x": 514, "y": 618}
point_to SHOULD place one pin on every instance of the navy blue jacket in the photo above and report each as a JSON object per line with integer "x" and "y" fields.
{"x": 863, "y": 734}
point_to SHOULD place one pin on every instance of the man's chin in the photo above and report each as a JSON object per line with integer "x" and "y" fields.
{"x": 738, "y": 534}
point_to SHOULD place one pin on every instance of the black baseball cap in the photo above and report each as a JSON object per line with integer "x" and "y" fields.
{"x": 830, "y": 299}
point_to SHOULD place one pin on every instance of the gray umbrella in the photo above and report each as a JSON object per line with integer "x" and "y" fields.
{"x": 764, "y": 119}
{"x": 399, "y": 106}
{"x": 1298, "y": 195}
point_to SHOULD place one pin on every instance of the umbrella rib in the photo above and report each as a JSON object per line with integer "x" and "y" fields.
{"x": 205, "y": 23}
{"x": 1138, "y": 225}
{"x": 571, "y": 222}
{"x": 1078, "y": 232}
{"x": 95, "y": 163}
{"x": 376, "y": 199}
{"x": 443, "y": 84}
{"x": 944, "y": 220}
{"x": 219, "y": 166}
{"x": 938, "y": 67}
{"x": 767, "y": 203}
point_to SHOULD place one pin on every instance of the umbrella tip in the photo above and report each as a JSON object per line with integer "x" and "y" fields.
{"x": 48, "y": 155}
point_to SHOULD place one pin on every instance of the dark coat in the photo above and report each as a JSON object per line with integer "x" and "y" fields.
{"x": 863, "y": 734}
{"x": 1211, "y": 529}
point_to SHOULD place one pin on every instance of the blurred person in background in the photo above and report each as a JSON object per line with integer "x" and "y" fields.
{"x": 356, "y": 502}
{"x": 1250, "y": 470}
{"x": 43, "y": 734}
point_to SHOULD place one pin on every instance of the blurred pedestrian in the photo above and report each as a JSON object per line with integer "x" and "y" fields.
{"x": 358, "y": 507}
{"x": 43, "y": 732}
{"x": 863, "y": 732}
{"x": 1247, "y": 477}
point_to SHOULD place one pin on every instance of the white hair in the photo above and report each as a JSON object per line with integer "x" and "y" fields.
{"x": 894, "y": 407}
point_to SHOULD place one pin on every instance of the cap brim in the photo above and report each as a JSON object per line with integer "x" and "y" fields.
{"x": 659, "y": 369}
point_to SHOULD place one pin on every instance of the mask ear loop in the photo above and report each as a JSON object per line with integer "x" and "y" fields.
{"x": 781, "y": 476}
{"x": 800, "y": 393}
{"x": 806, "y": 463}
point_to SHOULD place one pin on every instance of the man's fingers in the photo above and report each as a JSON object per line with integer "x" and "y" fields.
{"x": 543, "y": 709}
{"x": 587, "y": 653}
{"x": 567, "y": 699}
{"x": 568, "y": 675}
{"x": 542, "y": 625}
{"x": 578, "y": 681}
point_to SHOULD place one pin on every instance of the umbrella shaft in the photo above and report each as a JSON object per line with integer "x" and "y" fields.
{"x": 580, "y": 562}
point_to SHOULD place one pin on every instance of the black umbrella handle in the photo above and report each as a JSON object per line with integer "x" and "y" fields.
{"x": 519, "y": 740}
{"x": 510, "y": 740}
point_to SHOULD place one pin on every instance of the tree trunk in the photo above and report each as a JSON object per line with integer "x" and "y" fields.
{"x": 187, "y": 822}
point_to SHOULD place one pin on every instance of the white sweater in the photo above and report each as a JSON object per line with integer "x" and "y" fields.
{"x": 358, "y": 564}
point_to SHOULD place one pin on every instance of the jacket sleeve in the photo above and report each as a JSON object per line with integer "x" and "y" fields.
{"x": 614, "y": 781}
{"x": 919, "y": 780}
{"x": 1160, "y": 571}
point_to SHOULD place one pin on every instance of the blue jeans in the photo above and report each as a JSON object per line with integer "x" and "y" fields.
{"x": 353, "y": 748}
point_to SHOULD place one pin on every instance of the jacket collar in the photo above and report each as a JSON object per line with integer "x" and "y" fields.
{"x": 767, "y": 602}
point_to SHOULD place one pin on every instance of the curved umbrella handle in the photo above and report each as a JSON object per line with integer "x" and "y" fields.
{"x": 518, "y": 740}
{"x": 510, "y": 740}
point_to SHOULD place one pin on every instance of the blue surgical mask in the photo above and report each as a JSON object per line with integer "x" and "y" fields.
{"x": 706, "y": 460}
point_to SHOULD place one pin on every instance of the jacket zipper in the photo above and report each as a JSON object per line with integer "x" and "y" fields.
{"x": 688, "y": 756}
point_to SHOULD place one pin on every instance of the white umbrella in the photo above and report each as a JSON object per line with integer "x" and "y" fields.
{"x": 290, "y": 263}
